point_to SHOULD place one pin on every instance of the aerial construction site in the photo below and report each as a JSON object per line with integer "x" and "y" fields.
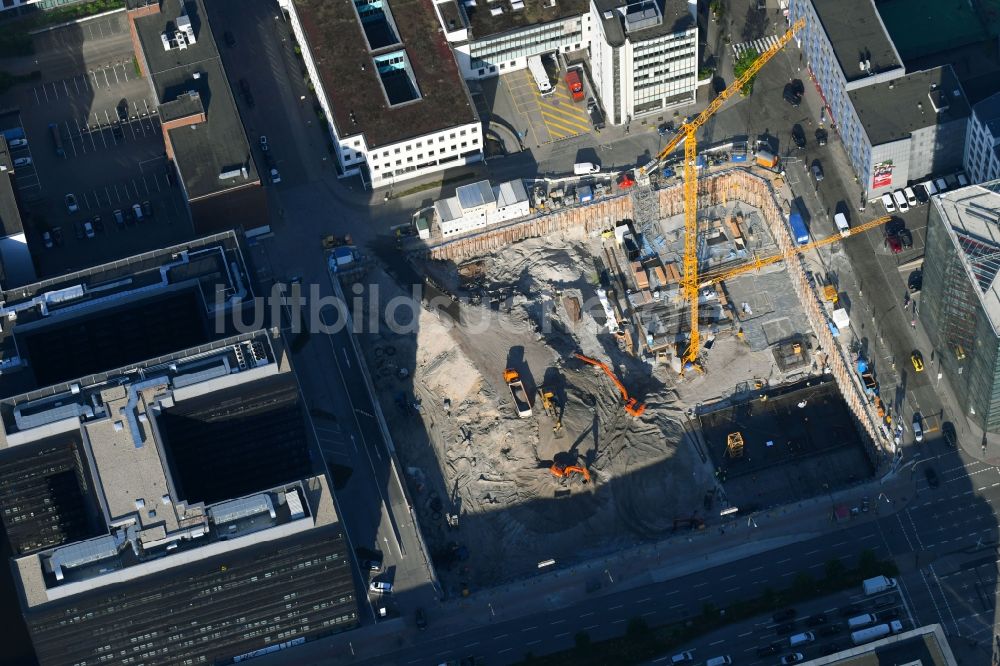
{"x": 648, "y": 364}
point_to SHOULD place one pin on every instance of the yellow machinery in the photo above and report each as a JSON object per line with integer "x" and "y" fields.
{"x": 760, "y": 262}
{"x": 734, "y": 445}
{"x": 686, "y": 133}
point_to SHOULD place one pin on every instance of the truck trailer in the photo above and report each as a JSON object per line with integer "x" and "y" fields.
{"x": 878, "y": 584}
{"x": 518, "y": 393}
{"x": 878, "y": 631}
{"x": 766, "y": 159}
{"x": 799, "y": 231}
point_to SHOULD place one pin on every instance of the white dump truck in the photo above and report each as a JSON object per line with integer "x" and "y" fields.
{"x": 878, "y": 584}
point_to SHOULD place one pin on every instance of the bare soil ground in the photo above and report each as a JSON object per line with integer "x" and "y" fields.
{"x": 467, "y": 453}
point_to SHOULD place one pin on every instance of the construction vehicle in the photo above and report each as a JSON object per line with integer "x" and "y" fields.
{"x": 330, "y": 241}
{"x": 760, "y": 262}
{"x": 867, "y": 377}
{"x": 632, "y": 405}
{"x": 566, "y": 471}
{"x": 686, "y": 135}
{"x": 550, "y": 407}
{"x": 517, "y": 392}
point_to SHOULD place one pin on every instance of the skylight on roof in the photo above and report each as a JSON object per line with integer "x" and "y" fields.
{"x": 397, "y": 77}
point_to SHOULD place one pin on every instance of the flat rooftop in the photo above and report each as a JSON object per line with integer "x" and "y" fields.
{"x": 927, "y": 646}
{"x": 894, "y": 110}
{"x": 534, "y": 12}
{"x": 214, "y": 147}
{"x": 923, "y": 27}
{"x": 115, "y": 314}
{"x": 856, "y": 33}
{"x": 972, "y": 218}
{"x": 639, "y": 21}
{"x": 350, "y": 78}
{"x": 239, "y": 403}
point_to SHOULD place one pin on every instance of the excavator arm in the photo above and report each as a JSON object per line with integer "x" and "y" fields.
{"x": 632, "y": 405}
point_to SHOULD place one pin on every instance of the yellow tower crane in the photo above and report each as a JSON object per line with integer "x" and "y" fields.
{"x": 686, "y": 133}
{"x": 759, "y": 262}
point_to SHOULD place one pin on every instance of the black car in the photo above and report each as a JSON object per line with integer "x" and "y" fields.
{"x": 885, "y": 602}
{"x": 421, "y": 619}
{"x": 905, "y": 238}
{"x": 118, "y": 132}
{"x": 98, "y": 224}
{"x": 932, "y": 477}
{"x": 147, "y": 209}
{"x": 821, "y": 137}
{"x": 816, "y": 620}
{"x": 665, "y": 129}
{"x": 793, "y": 92}
{"x": 57, "y": 236}
{"x": 889, "y": 615}
{"x": 798, "y": 136}
{"x": 768, "y": 650}
{"x": 921, "y": 194}
{"x": 228, "y": 38}
{"x": 851, "y": 610}
{"x": 948, "y": 431}
{"x": 915, "y": 281}
{"x": 829, "y": 630}
{"x": 369, "y": 559}
{"x": 784, "y": 615}
{"x": 894, "y": 226}
{"x": 245, "y": 91}
{"x": 786, "y": 628}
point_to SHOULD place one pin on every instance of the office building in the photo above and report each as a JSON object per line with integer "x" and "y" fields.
{"x": 982, "y": 143}
{"x": 960, "y": 297}
{"x": 392, "y": 96}
{"x": 918, "y": 128}
{"x": 170, "y": 512}
{"x": 204, "y": 136}
{"x": 926, "y": 646}
{"x": 16, "y": 265}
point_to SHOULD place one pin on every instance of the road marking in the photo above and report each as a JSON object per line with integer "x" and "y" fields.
{"x": 612, "y": 608}
{"x": 593, "y": 626}
{"x": 728, "y": 577}
{"x": 504, "y": 650}
{"x": 654, "y": 612}
{"x": 812, "y": 552}
{"x": 718, "y": 642}
{"x": 700, "y": 585}
{"x": 496, "y": 638}
{"x": 564, "y": 621}
{"x": 533, "y": 628}
{"x": 472, "y": 644}
{"x": 641, "y": 601}
{"x": 531, "y": 642}
{"x": 707, "y": 596}
{"x": 732, "y": 589}
{"x": 676, "y": 606}
{"x": 756, "y": 569}
{"x": 745, "y": 635}
{"x": 617, "y": 621}
{"x": 587, "y": 614}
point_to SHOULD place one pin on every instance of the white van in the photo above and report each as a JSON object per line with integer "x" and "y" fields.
{"x": 682, "y": 657}
{"x": 585, "y": 168}
{"x": 929, "y": 187}
{"x": 801, "y": 639}
{"x": 911, "y": 197}
{"x": 842, "y": 226}
{"x": 900, "y": 200}
{"x": 724, "y": 660}
{"x": 887, "y": 202}
{"x": 859, "y": 621}
{"x": 941, "y": 185}
{"x": 962, "y": 180}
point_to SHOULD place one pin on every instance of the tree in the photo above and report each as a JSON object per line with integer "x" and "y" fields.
{"x": 582, "y": 641}
{"x": 741, "y": 65}
{"x": 834, "y": 569}
{"x": 868, "y": 563}
{"x": 637, "y": 629}
{"x": 803, "y": 585}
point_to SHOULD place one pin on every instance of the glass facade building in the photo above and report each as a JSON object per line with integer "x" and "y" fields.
{"x": 960, "y": 297}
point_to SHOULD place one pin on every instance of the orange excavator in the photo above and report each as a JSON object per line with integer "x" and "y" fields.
{"x": 632, "y": 406}
{"x": 564, "y": 471}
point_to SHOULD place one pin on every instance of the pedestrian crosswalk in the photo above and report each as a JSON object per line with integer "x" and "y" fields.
{"x": 760, "y": 45}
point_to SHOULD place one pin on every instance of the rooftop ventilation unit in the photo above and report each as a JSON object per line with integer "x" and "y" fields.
{"x": 184, "y": 27}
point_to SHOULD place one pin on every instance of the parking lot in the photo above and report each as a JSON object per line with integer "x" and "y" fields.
{"x": 550, "y": 117}
{"x": 92, "y": 133}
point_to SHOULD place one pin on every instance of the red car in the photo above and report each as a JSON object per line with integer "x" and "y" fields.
{"x": 894, "y": 244}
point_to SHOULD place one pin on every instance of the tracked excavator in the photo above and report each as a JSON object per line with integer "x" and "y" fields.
{"x": 565, "y": 471}
{"x": 632, "y": 406}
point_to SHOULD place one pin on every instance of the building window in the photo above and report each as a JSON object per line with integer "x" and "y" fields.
{"x": 464, "y": 143}
{"x": 397, "y": 151}
{"x": 482, "y": 71}
{"x": 462, "y": 133}
{"x": 451, "y": 136}
{"x": 430, "y": 153}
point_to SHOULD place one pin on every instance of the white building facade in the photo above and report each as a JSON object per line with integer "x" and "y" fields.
{"x": 982, "y": 145}
{"x": 478, "y": 205}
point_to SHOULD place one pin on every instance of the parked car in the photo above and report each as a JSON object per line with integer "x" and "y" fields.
{"x": 918, "y": 430}
{"x": 78, "y": 230}
{"x": 949, "y": 434}
{"x": 98, "y": 224}
{"x": 792, "y": 658}
{"x": 829, "y": 630}
{"x": 57, "y": 236}
{"x": 263, "y": 143}
{"x": 817, "y": 171}
{"x": 786, "y": 628}
{"x": 905, "y": 238}
{"x": 915, "y": 281}
{"x": 890, "y": 207}
{"x": 22, "y": 162}
{"x": 768, "y": 650}
{"x": 793, "y": 92}
{"x": 894, "y": 226}
{"x": 370, "y": 560}
{"x": 71, "y": 204}
{"x": 682, "y": 657}
{"x": 18, "y": 143}
{"x": 421, "y": 619}
{"x": 821, "y": 137}
{"x": 137, "y": 212}
{"x": 917, "y": 359}
{"x": 932, "y": 477}
{"x": 892, "y": 242}
{"x": 228, "y": 38}
{"x": 119, "y": 218}
{"x": 147, "y": 209}
{"x": 118, "y": 132}
{"x": 245, "y": 91}
{"x": 816, "y": 620}
{"x": 380, "y": 586}
{"x": 47, "y": 239}
{"x": 784, "y": 615}
{"x": 275, "y": 176}
{"x": 88, "y": 229}
{"x": 798, "y": 136}
{"x": 921, "y": 194}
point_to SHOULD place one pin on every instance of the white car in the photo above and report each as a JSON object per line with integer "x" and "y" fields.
{"x": 900, "y": 200}
{"x": 275, "y": 176}
{"x": 71, "y": 204}
{"x": 88, "y": 229}
{"x": 22, "y": 162}
{"x": 263, "y": 143}
{"x": 18, "y": 143}
{"x": 137, "y": 211}
{"x": 380, "y": 586}
{"x": 918, "y": 429}
{"x": 890, "y": 207}
{"x": 47, "y": 239}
